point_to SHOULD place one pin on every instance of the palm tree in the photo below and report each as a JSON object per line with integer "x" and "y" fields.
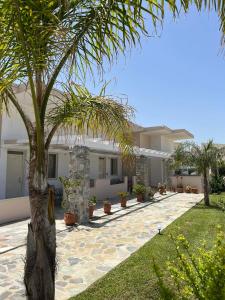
{"x": 203, "y": 158}
{"x": 51, "y": 44}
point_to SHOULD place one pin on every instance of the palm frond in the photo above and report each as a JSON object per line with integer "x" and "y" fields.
{"x": 4, "y": 103}
{"x": 82, "y": 113}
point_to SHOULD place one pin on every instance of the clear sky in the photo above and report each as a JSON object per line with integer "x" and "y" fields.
{"x": 178, "y": 78}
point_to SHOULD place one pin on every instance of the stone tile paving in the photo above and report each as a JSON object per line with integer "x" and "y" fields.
{"x": 85, "y": 253}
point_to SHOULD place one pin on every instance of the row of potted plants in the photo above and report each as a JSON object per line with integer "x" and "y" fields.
{"x": 188, "y": 189}
{"x": 139, "y": 190}
{"x": 71, "y": 217}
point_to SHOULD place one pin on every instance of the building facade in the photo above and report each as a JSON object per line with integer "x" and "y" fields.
{"x": 107, "y": 176}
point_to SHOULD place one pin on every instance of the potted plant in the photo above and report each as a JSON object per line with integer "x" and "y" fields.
{"x": 91, "y": 206}
{"x": 188, "y": 189}
{"x": 162, "y": 188}
{"x": 194, "y": 190}
{"x": 107, "y": 207}
{"x": 69, "y": 186}
{"x": 180, "y": 188}
{"x": 123, "y": 199}
{"x": 139, "y": 190}
{"x": 150, "y": 192}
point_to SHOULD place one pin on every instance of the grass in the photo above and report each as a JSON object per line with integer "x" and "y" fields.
{"x": 134, "y": 278}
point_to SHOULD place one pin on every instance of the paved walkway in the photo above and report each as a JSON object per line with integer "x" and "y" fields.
{"x": 85, "y": 253}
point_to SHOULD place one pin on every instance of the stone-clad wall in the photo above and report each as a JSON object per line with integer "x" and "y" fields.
{"x": 142, "y": 170}
{"x": 79, "y": 167}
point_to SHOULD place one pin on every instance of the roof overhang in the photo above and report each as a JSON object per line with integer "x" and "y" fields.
{"x": 180, "y": 134}
{"x": 94, "y": 144}
{"x": 177, "y": 134}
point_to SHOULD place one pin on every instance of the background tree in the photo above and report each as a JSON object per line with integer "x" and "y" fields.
{"x": 203, "y": 158}
{"x": 49, "y": 44}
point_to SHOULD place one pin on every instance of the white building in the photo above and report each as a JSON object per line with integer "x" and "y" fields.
{"x": 108, "y": 175}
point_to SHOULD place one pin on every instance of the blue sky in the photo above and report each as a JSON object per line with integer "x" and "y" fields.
{"x": 178, "y": 78}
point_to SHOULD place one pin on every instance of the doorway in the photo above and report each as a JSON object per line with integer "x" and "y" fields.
{"x": 15, "y": 174}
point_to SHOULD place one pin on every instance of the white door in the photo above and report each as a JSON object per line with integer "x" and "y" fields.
{"x": 14, "y": 178}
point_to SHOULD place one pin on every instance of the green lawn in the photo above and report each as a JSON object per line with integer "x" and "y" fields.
{"x": 134, "y": 278}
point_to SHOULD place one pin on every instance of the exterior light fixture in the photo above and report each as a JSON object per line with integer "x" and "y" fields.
{"x": 159, "y": 227}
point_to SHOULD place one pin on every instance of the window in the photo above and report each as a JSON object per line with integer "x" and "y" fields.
{"x": 52, "y": 162}
{"x": 186, "y": 171}
{"x": 114, "y": 166}
{"x": 102, "y": 167}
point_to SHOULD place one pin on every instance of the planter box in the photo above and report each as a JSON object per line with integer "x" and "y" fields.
{"x": 180, "y": 190}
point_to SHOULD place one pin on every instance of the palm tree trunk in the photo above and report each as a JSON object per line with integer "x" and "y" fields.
{"x": 206, "y": 188}
{"x": 39, "y": 276}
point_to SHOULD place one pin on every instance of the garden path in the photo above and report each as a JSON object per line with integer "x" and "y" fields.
{"x": 85, "y": 253}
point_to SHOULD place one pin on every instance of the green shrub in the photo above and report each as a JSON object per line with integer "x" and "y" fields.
{"x": 221, "y": 204}
{"x": 194, "y": 275}
{"x": 139, "y": 189}
{"x": 217, "y": 184}
{"x": 92, "y": 200}
{"x": 123, "y": 194}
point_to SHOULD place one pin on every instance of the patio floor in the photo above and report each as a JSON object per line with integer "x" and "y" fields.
{"x": 85, "y": 253}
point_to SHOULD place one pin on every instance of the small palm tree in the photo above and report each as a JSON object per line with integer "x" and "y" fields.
{"x": 203, "y": 158}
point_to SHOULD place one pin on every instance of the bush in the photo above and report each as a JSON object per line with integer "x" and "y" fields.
{"x": 150, "y": 192}
{"x": 198, "y": 275}
{"x": 139, "y": 189}
{"x": 217, "y": 184}
{"x": 221, "y": 204}
{"x": 123, "y": 194}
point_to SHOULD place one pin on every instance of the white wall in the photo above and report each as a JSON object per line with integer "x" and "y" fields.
{"x": 62, "y": 167}
{"x": 136, "y": 139}
{"x": 156, "y": 171}
{"x": 94, "y": 165}
{"x": 144, "y": 141}
{"x": 167, "y": 145}
{"x": 14, "y": 209}
{"x": 193, "y": 181}
{"x": 103, "y": 189}
{"x": 12, "y": 125}
{"x": 155, "y": 142}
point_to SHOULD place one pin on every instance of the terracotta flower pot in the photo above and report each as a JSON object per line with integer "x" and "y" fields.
{"x": 91, "y": 209}
{"x": 107, "y": 208}
{"x": 194, "y": 190}
{"x": 123, "y": 202}
{"x": 140, "y": 198}
{"x": 180, "y": 189}
{"x": 162, "y": 190}
{"x": 70, "y": 218}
